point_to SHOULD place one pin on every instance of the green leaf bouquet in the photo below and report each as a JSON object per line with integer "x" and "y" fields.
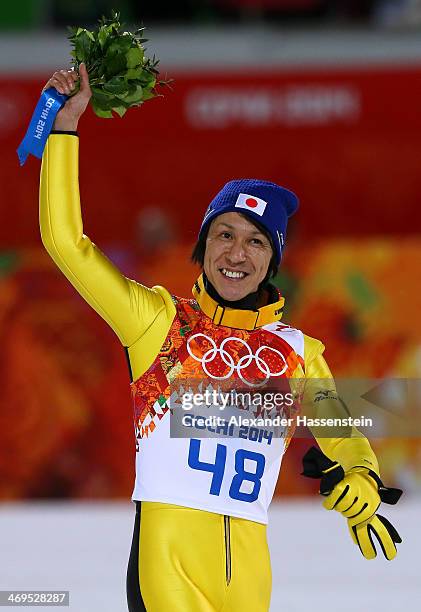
{"x": 120, "y": 74}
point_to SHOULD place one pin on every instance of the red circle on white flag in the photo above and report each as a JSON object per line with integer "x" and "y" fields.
{"x": 251, "y": 202}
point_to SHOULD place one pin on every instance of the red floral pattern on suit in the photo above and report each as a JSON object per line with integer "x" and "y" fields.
{"x": 196, "y": 348}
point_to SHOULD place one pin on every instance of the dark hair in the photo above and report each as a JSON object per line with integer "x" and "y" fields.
{"x": 198, "y": 253}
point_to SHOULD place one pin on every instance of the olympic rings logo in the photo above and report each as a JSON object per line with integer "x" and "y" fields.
{"x": 244, "y": 361}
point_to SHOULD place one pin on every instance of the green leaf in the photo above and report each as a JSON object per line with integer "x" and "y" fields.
{"x": 115, "y": 65}
{"x": 120, "y": 45}
{"x": 134, "y": 73}
{"x": 82, "y": 46}
{"x": 105, "y": 114}
{"x": 120, "y": 101}
{"x": 150, "y": 82}
{"x": 134, "y": 57}
{"x": 109, "y": 103}
{"x": 135, "y": 95}
{"x": 100, "y": 96}
{"x": 116, "y": 85}
{"x": 103, "y": 36}
{"x": 148, "y": 95}
{"x": 106, "y": 100}
{"x": 120, "y": 110}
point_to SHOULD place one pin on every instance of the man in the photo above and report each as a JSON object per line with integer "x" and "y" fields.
{"x": 199, "y": 541}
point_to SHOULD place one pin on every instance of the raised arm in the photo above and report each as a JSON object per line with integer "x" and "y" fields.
{"x": 127, "y": 306}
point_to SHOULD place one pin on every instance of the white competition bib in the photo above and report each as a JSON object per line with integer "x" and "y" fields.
{"x": 233, "y": 474}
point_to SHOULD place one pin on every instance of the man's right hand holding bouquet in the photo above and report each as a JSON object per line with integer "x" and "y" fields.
{"x": 64, "y": 81}
{"x": 120, "y": 77}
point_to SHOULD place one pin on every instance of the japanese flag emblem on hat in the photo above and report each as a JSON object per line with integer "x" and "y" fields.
{"x": 251, "y": 203}
{"x": 269, "y": 204}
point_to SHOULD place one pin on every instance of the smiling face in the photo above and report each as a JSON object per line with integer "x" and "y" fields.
{"x": 237, "y": 256}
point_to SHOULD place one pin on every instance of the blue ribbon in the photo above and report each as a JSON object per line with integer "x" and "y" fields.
{"x": 41, "y": 124}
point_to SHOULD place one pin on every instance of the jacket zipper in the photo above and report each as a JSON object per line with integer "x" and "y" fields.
{"x": 227, "y": 533}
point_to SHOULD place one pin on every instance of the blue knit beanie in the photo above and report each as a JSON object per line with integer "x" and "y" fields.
{"x": 265, "y": 202}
